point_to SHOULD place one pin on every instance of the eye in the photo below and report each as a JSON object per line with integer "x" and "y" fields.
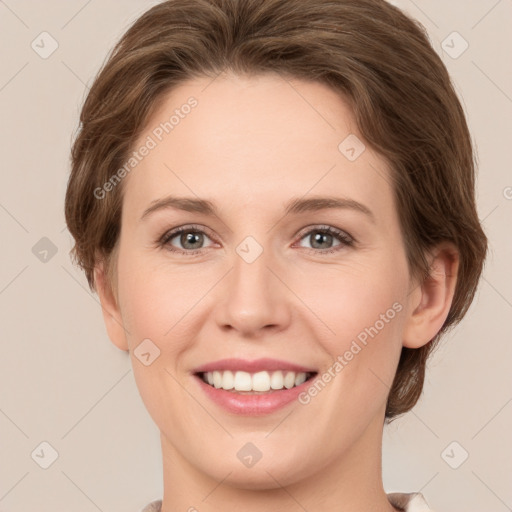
{"x": 322, "y": 238}
{"x": 189, "y": 238}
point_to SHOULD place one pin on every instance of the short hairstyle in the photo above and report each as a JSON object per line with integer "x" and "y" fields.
{"x": 377, "y": 58}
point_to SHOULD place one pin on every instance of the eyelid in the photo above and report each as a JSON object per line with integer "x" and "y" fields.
{"x": 325, "y": 228}
{"x": 345, "y": 239}
{"x": 173, "y": 232}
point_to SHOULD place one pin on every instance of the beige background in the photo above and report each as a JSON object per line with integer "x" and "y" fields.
{"x": 63, "y": 382}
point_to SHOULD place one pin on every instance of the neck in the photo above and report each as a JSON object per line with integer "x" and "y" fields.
{"x": 351, "y": 481}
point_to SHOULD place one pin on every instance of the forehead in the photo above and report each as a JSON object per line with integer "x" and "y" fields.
{"x": 255, "y": 140}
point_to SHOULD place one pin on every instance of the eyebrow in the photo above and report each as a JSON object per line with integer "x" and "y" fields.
{"x": 295, "y": 206}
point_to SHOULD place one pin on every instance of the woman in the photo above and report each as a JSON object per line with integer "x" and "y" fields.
{"x": 274, "y": 200}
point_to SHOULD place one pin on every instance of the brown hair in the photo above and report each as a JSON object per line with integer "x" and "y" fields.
{"x": 379, "y": 59}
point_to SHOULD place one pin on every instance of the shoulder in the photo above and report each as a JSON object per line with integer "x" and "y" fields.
{"x": 154, "y": 506}
{"x": 409, "y": 502}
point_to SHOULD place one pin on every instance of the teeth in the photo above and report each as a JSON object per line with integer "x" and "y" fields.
{"x": 276, "y": 381}
{"x": 300, "y": 378}
{"x": 243, "y": 381}
{"x": 228, "y": 380}
{"x": 289, "y": 380}
{"x": 217, "y": 379}
{"x": 260, "y": 381}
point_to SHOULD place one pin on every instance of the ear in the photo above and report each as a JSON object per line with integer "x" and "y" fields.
{"x": 431, "y": 300}
{"x": 110, "y": 308}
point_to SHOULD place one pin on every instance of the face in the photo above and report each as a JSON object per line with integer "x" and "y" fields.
{"x": 296, "y": 263}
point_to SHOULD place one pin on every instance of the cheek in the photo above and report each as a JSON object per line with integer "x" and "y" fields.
{"x": 156, "y": 300}
{"x": 157, "y": 306}
{"x": 362, "y": 314}
{"x": 349, "y": 302}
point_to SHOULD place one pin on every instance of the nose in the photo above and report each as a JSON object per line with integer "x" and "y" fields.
{"x": 256, "y": 298}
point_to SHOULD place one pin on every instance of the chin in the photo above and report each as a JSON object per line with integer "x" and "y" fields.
{"x": 265, "y": 477}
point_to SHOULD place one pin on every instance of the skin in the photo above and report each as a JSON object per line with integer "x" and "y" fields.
{"x": 251, "y": 145}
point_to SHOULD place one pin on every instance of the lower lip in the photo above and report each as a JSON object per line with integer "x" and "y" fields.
{"x": 252, "y": 404}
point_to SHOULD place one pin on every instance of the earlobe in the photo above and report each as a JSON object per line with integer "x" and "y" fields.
{"x": 110, "y": 308}
{"x": 431, "y": 301}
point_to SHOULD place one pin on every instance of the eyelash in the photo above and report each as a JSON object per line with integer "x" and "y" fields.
{"x": 345, "y": 239}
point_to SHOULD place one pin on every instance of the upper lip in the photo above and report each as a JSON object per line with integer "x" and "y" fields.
{"x": 252, "y": 366}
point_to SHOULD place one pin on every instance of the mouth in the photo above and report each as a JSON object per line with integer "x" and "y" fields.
{"x": 253, "y": 387}
{"x": 262, "y": 382}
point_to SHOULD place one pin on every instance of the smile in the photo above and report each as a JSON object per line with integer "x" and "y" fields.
{"x": 264, "y": 381}
{"x": 253, "y": 387}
